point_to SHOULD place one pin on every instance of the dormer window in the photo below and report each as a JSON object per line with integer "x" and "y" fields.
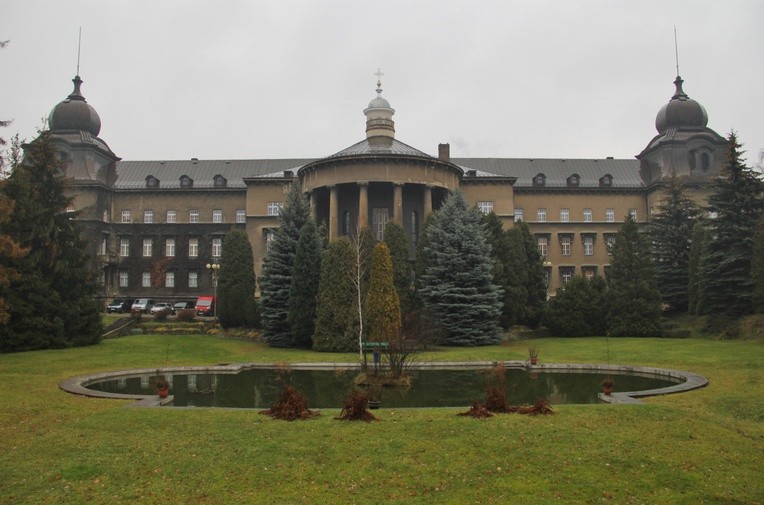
{"x": 186, "y": 182}
{"x": 574, "y": 181}
{"x": 606, "y": 181}
{"x": 539, "y": 180}
{"x": 152, "y": 182}
{"x": 220, "y": 181}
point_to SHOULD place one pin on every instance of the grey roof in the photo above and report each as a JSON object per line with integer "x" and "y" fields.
{"x": 379, "y": 146}
{"x": 625, "y": 173}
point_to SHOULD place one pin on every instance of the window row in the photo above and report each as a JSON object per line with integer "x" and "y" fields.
{"x": 565, "y": 242}
{"x": 171, "y": 216}
{"x": 568, "y": 272}
{"x": 170, "y": 247}
{"x": 186, "y": 182}
{"x": 586, "y": 215}
{"x": 167, "y": 279}
{"x": 574, "y": 181}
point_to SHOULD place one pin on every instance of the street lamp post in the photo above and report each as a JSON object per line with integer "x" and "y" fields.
{"x": 214, "y": 267}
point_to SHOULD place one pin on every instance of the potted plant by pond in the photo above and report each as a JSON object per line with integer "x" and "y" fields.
{"x": 533, "y": 353}
{"x": 162, "y": 386}
{"x": 607, "y": 385}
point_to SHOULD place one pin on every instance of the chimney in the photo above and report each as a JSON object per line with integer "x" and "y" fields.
{"x": 444, "y": 152}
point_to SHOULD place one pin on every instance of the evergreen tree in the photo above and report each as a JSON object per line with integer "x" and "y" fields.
{"x": 304, "y": 289}
{"x": 534, "y": 278}
{"x": 699, "y": 239}
{"x": 51, "y": 301}
{"x": 276, "y": 279}
{"x": 633, "y": 297}
{"x": 383, "y": 307}
{"x": 726, "y": 285}
{"x": 578, "y": 309}
{"x": 757, "y": 268}
{"x": 236, "y": 283}
{"x": 403, "y": 274}
{"x": 670, "y": 232}
{"x": 336, "y": 317}
{"x": 509, "y": 271}
{"x": 457, "y": 285}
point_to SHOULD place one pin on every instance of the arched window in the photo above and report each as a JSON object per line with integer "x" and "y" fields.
{"x": 606, "y": 181}
{"x": 705, "y": 161}
{"x": 220, "y": 181}
{"x": 539, "y": 180}
{"x": 414, "y": 228}
{"x": 574, "y": 181}
{"x": 152, "y": 182}
{"x": 186, "y": 182}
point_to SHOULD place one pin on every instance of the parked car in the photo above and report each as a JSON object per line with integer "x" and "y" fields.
{"x": 119, "y": 306}
{"x": 205, "y": 306}
{"x": 162, "y": 307}
{"x": 183, "y": 305}
{"x": 143, "y": 304}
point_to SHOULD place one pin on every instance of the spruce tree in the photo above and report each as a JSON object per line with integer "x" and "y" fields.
{"x": 403, "y": 274}
{"x": 383, "y": 307}
{"x": 304, "y": 289}
{"x": 509, "y": 271}
{"x": 670, "y": 232}
{"x": 726, "y": 285}
{"x": 633, "y": 297}
{"x": 336, "y": 317}
{"x": 276, "y": 279}
{"x": 457, "y": 285}
{"x": 534, "y": 277}
{"x": 578, "y": 309}
{"x": 699, "y": 239}
{"x": 757, "y": 268}
{"x": 236, "y": 283}
{"x": 51, "y": 301}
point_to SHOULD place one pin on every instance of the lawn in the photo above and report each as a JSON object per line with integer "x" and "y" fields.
{"x": 705, "y": 446}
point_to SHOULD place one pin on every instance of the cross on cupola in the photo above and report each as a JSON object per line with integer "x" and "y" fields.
{"x": 379, "y": 75}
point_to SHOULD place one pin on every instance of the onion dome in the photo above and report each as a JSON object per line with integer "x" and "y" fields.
{"x": 681, "y": 111}
{"x": 74, "y": 113}
{"x": 379, "y": 116}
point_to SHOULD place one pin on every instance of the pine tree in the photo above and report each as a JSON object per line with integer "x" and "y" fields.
{"x": 726, "y": 285}
{"x": 757, "y": 268}
{"x": 699, "y": 239}
{"x": 51, "y": 301}
{"x": 403, "y": 274}
{"x": 304, "y": 289}
{"x": 236, "y": 283}
{"x": 633, "y": 297}
{"x": 457, "y": 285}
{"x": 670, "y": 232}
{"x": 276, "y": 279}
{"x": 509, "y": 271}
{"x": 383, "y": 307}
{"x": 336, "y": 317}
{"x": 534, "y": 278}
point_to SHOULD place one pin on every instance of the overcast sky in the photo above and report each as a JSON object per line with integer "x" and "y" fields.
{"x": 223, "y": 79}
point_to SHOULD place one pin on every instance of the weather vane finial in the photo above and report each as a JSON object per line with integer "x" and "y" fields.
{"x": 79, "y": 47}
{"x": 676, "y": 51}
{"x": 379, "y": 75}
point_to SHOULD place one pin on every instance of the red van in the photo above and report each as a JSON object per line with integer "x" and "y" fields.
{"x": 205, "y": 306}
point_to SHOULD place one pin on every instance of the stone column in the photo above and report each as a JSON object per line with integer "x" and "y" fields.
{"x": 363, "y": 205}
{"x": 398, "y": 202}
{"x": 333, "y": 221}
{"x": 427, "y": 200}
{"x": 313, "y": 212}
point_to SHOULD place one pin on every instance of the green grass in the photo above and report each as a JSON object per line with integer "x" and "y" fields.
{"x": 704, "y": 446}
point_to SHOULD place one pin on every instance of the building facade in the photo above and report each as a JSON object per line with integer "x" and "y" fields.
{"x": 153, "y": 227}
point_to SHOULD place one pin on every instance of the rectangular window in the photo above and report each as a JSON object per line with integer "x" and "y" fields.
{"x": 123, "y": 278}
{"x": 169, "y": 280}
{"x": 105, "y": 216}
{"x": 169, "y": 247}
{"x": 146, "y": 279}
{"x": 148, "y": 216}
{"x": 587, "y": 215}
{"x": 380, "y": 216}
{"x": 125, "y": 216}
{"x": 610, "y": 215}
{"x": 274, "y": 208}
{"x": 104, "y": 245}
{"x": 518, "y": 215}
{"x": 543, "y": 245}
{"x": 564, "y": 215}
{"x": 217, "y": 216}
{"x": 217, "y": 247}
{"x": 633, "y": 214}
{"x": 193, "y": 247}
{"x": 193, "y": 279}
{"x": 565, "y": 245}
{"x": 485, "y": 207}
{"x": 588, "y": 245}
{"x": 609, "y": 242}
{"x": 171, "y": 216}
{"x": 241, "y": 216}
{"x": 148, "y": 246}
{"x": 589, "y": 272}
{"x": 269, "y": 236}
{"x": 566, "y": 274}
{"x": 541, "y": 215}
{"x": 124, "y": 247}
{"x": 193, "y": 216}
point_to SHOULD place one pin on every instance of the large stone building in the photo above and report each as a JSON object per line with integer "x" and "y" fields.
{"x": 154, "y": 226}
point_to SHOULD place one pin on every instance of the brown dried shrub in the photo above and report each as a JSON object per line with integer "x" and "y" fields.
{"x": 477, "y": 410}
{"x": 355, "y": 408}
{"x": 292, "y": 405}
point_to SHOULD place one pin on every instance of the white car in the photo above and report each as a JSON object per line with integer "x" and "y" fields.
{"x": 161, "y": 307}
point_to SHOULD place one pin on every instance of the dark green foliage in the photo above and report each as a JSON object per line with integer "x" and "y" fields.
{"x": 579, "y": 308}
{"x": 457, "y": 285}
{"x": 508, "y": 256}
{"x": 633, "y": 298}
{"x": 670, "y": 232}
{"x": 534, "y": 278}
{"x": 276, "y": 280}
{"x": 236, "y": 283}
{"x": 757, "y": 268}
{"x": 726, "y": 284}
{"x": 699, "y": 238}
{"x": 336, "y": 312}
{"x": 383, "y": 308}
{"x": 403, "y": 274}
{"x": 304, "y": 289}
{"x": 51, "y": 301}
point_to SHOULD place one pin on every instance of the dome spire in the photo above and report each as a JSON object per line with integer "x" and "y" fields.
{"x": 379, "y": 114}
